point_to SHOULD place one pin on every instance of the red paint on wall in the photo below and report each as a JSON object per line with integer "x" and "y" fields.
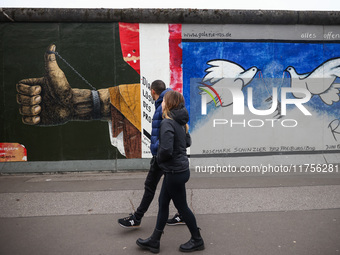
{"x": 129, "y": 41}
{"x": 175, "y": 48}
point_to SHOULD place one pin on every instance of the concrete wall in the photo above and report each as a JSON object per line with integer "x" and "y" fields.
{"x": 183, "y": 16}
{"x": 113, "y": 47}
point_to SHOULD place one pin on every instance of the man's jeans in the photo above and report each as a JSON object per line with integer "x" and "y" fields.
{"x": 150, "y": 185}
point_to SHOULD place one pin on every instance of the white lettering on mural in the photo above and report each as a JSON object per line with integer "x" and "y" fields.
{"x": 331, "y": 35}
{"x": 308, "y": 35}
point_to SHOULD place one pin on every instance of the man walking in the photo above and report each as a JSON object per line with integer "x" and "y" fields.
{"x": 158, "y": 90}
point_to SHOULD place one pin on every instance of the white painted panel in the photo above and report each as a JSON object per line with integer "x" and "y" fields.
{"x": 154, "y": 65}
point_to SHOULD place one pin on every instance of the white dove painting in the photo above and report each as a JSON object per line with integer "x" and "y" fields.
{"x": 225, "y": 76}
{"x": 217, "y": 68}
{"x": 320, "y": 81}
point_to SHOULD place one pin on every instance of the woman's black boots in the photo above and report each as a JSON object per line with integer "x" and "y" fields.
{"x": 194, "y": 244}
{"x": 152, "y": 243}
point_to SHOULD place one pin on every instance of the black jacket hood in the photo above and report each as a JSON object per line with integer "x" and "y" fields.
{"x": 180, "y": 115}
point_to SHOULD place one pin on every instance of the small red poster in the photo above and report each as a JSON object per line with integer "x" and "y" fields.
{"x": 12, "y": 152}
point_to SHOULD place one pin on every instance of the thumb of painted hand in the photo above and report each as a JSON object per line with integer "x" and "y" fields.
{"x": 56, "y": 92}
{"x": 56, "y": 81}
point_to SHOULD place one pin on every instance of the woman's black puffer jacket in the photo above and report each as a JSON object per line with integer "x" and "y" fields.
{"x": 173, "y": 141}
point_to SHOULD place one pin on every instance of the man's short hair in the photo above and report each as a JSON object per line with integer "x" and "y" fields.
{"x": 158, "y": 86}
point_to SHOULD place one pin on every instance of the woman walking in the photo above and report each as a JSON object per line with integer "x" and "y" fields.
{"x": 173, "y": 160}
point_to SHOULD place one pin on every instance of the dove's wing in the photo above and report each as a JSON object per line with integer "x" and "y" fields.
{"x": 331, "y": 95}
{"x": 321, "y": 78}
{"x": 328, "y": 69}
{"x": 221, "y": 69}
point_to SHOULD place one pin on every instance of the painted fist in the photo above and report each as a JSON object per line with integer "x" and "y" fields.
{"x": 46, "y": 100}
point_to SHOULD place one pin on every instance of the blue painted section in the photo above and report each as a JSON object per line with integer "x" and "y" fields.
{"x": 271, "y": 57}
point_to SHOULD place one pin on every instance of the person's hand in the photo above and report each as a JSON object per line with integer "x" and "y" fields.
{"x": 46, "y": 100}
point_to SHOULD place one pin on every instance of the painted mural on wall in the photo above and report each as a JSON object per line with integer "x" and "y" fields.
{"x": 250, "y": 89}
{"x": 61, "y": 117}
{"x": 51, "y": 100}
{"x": 262, "y": 90}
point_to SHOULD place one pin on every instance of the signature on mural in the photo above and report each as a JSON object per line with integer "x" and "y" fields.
{"x": 335, "y": 128}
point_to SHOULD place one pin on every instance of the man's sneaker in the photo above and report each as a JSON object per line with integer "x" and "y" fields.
{"x": 129, "y": 222}
{"x": 176, "y": 220}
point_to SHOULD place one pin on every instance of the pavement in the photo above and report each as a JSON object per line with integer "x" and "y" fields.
{"x": 239, "y": 214}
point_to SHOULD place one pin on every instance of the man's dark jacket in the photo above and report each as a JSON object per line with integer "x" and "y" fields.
{"x": 156, "y": 122}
